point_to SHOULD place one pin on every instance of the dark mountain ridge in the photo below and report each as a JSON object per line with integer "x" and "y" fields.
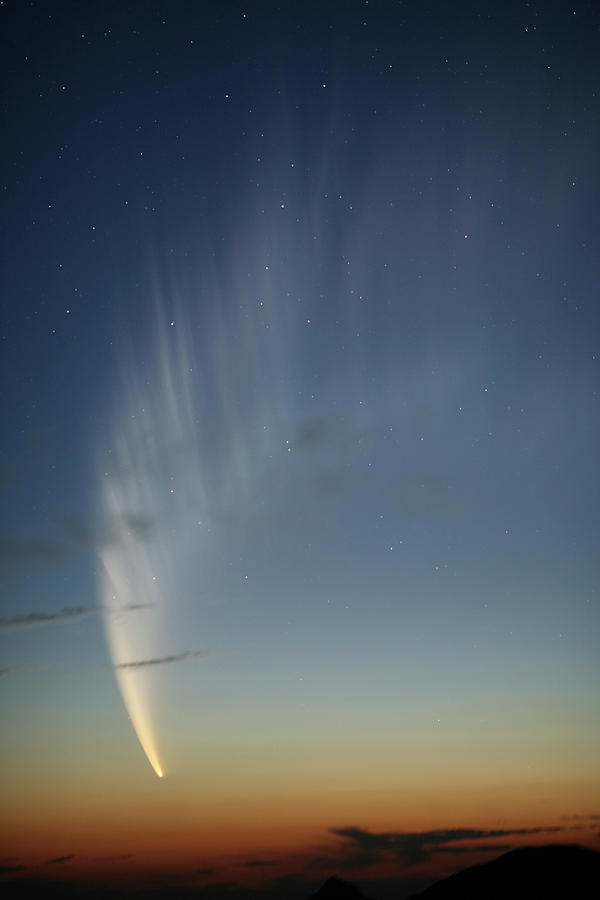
{"x": 337, "y": 889}
{"x": 552, "y": 872}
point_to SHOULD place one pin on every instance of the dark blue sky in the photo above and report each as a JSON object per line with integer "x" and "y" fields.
{"x": 300, "y": 354}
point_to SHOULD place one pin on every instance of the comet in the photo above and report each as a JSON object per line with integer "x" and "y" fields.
{"x": 180, "y": 449}
{"x": 123, "y": 638}
{"x": 148, "y": 452}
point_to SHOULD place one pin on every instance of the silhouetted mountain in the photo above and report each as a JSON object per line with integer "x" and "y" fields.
{"x": 553, "y": 872}
{"x": 337, "y": 889}
{"x": 48, "y": 889}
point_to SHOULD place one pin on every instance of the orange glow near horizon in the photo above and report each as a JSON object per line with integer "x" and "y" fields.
{"x": 163, "y": 828}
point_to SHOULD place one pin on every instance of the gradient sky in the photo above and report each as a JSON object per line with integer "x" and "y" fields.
{"x": 300, "y": 402}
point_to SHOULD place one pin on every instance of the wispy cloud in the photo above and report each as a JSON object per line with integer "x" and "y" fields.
{"x": 10, "y": 670}
{"x": 71, "y": 536}
{"x": 362, "y": 848}
{"x": 474, "y": 848}
{"x": 63, "y": 615}
{"x": 83, "y": 534}
{"x": 4, "y": 870}
{"x": 258, "y": 863}
{"x": 586, "y": 817}
{"x": 57, "y": 860}
{"x": 13, "y": 550}
{"x": 163, "y": 660}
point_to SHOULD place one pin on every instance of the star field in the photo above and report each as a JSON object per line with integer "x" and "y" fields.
{"x": 299, "y": 465}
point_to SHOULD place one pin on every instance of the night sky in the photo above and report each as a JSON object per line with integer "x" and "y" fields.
{"x": 300, "y": 318}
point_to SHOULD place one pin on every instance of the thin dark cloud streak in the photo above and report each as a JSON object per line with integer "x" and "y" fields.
{"x": 65, "y": 615}
{"x": 29, "y": 550}
{"x": 5, "y": 870}
{"x": 58, "y": 860}
{"x": 363, "y": 848}
{"x": 587, "y": 817}
{"x": 474, "y": 848}
{"x": 258, "y": 863}
{"x": 73, "y": 536}
{"x": 163, "y": 660}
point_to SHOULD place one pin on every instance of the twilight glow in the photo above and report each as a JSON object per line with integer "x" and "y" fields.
{"x": 300, "y": 381}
